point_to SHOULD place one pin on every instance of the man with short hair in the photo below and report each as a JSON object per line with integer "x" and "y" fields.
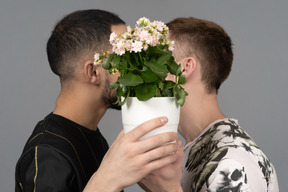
{"x": 218, "y": 155}
{"x": 66, "y": 151}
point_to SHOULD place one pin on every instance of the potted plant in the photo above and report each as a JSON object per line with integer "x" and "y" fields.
{"x": 143, "y": 57}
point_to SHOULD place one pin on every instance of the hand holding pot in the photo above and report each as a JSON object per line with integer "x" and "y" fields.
{"x": 130, "y": 159}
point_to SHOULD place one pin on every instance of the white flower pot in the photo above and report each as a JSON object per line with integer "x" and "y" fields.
{"x": 135, "y": 112}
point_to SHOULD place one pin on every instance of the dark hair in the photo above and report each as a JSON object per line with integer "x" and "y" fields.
{"x": 79, "y": 35}
{"x": 209, "y": 43}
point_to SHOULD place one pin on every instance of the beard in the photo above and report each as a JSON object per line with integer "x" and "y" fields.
{"x": 109, "y": 97}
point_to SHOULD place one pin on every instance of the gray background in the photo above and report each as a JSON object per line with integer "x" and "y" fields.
{"x": 255, "y": 93}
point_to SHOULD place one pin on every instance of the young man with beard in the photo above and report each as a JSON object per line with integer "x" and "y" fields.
{"x": 66, "y": 151}
{"x": 218, "y": 155}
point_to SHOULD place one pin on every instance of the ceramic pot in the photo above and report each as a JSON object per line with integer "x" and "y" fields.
{"x": 135, "y": 112}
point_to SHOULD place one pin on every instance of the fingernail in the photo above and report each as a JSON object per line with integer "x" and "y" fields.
{"x": 175, "y": 135}
{"x": 180, "y": 144}
{"x": 164, "y": 120}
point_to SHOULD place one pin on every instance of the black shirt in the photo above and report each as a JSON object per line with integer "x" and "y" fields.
{"x": 60, "y": 155}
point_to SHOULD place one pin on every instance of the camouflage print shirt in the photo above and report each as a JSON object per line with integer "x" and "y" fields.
{"x": 224, "y": 158}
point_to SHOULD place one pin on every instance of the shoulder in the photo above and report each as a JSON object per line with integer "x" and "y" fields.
{"x": 56, "y": 133}
{"x": 236, "y": 171}
{"x": 43, "y": 167}
{"x": 226, "y": 152}
{"x": 42, "y": 154}
{"x": 228, "y": 174}
{"x": 55, "y": 140}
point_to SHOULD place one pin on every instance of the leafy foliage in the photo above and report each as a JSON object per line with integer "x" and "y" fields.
{"x": 145, "y": 75}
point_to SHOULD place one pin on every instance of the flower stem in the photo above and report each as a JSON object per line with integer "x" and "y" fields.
{"x": 140, "y": 56}
{"x": 128, "y": 60}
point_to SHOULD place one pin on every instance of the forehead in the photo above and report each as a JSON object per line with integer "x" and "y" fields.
{"x": 119, "y": 29}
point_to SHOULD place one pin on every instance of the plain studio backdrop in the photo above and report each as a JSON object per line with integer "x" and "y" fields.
{"x": 255, "y": 93}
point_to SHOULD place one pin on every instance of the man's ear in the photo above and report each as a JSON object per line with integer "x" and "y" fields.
{"x": 92, "y": 72}
{"x": 188, "y": 65}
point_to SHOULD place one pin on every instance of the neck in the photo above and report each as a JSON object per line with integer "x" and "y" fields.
{"x": 80, "y": 106}
{"x": 198, "y": 112}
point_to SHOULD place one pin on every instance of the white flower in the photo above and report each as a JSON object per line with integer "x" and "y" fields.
{"x": 113, "y": 37}
{"x": 128, "y": 45}
{"x": 144, "y": 35}
{"x": 119, "y": 44}
{"x": 137, "y": 46}
{"x": 143, "y": 21}
{"x": 97, "y": 59}
{"x": 171, "y": 46}
{"x": 119, "y": 51}
{"x": 96, "y": 56}
{"x": 155, "y": 38}
{"x": 159, "y": 25}
{"x": 129, "y": 29}
{"x": 145, "y": 47}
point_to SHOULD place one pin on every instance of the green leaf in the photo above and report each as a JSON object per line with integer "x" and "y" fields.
{"x": 166, "y": 88}
{"x": 122, "y": 90}
{"x": 136, "y": 59}
{"x": 180, "y": 95}
{"x": 167, "y": 92}
{"x": 158, "y": 93}
{"x": 115, "y": 61}
{"x": 130, "y": 79}
{"x": 106, "y": 64}
{"x": 163, "y": 59}
{"x": 179, "y": 72}
{"x": 121, "y": 102}
{"x": 160, "y": 70}
{"x": 173, "y": 67}
{"x": 113, "y": 85}
{"x": 156, "y": 51}
{"x": 161, "y": 85}
{"x": 148, "y": 76}
{"x": 182, "y": 80}
{"x": 123, "y": 65}
{"x": 145, "y": 91}
{"x": 169, "y": 84}
{"x": 127, "y": 55}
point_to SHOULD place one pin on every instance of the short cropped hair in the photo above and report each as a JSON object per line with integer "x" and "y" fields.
{"x": 79, "y": 35}
{"x": 209, "y": 43}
